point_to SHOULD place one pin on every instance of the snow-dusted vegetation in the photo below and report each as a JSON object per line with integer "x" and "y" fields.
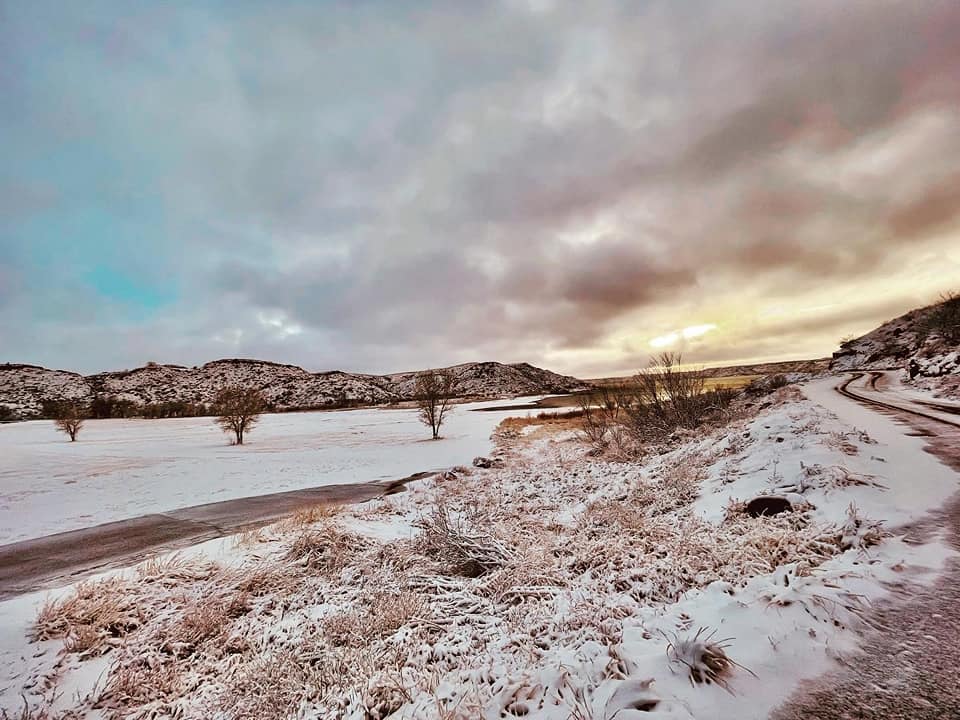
{"x": 25, "y": 389}
{"x": 551, "y": 584}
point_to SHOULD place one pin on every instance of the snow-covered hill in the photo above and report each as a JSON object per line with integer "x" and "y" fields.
{"x": 924, "y": 343}
{"x": 911, "y": 339}
{"x": 25, "y": 388}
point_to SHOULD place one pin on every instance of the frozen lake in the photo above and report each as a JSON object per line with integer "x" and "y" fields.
{"x": 120, "y": 469}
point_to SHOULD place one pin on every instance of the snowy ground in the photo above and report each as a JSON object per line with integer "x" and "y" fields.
{"x": 120, "y": 469}
{"x": 556, "y": 586}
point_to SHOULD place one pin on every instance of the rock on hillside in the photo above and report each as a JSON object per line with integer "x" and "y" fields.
{"x": 25, "y": 388}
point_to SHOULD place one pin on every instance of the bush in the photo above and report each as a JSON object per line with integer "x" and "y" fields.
{"x": 109, "y": 406}
{"x": 667, "y": 398}
{"x": 944, "y": 318}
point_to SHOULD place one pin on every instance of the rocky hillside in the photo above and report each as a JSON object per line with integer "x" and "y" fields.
{"x": 925, "y": 342}
{"x": 25, "y": 389}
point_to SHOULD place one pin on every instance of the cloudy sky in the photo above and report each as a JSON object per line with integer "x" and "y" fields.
{"x": 383, "y": 186}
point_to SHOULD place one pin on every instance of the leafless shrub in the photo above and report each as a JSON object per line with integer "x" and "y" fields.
{"x": 944, "y": 318}
{"x": 434, "y": 391}
{"x": 238, "y": 409}
{"x": 666, "y": 397}
{"x": 68, "y": 418}
{"x": 464, "y": 549}
{"x": 600, "y": 412}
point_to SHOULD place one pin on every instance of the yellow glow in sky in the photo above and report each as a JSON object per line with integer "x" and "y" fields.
{"x": 687, "y": 333}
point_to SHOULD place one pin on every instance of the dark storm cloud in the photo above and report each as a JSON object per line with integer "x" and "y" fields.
{"x": 385, "y": 185}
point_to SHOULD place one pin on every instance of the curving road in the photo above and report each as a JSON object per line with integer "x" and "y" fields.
{"x": 908, "y": 666}
{"x": 882, "y": 389}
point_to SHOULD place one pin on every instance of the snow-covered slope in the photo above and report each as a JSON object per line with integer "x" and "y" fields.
{"x": 25, "y": 388}
{"x": 909, "y": 341}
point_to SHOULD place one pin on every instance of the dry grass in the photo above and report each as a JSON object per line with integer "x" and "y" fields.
{"x": 385, "y": 613}
{"x": 459, "y": 544}
{"x": 705, "y": 660}
{"x": 323, "y": 623}
{"x": 92, "y": 618}
{"x": 326, "y": 549}
{"x": 305, "y": 517}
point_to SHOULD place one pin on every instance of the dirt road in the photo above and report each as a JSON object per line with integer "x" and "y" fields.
{"x": 65, "y": 558}
{"x": 908, "y": 666}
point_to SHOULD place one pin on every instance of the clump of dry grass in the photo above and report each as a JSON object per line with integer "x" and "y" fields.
{"x": 840, "y": 441}
{"x": 277, "y": 686}
{"x": 464, "y": 549}
{"x": 704, "y": 659}
{"x": 304, "y": 517}
{"x": 859, "y": 532}
{"x": 385, "y": 613}
{"x": 142, "y": 682}
{"x": 268, "y": 580}
{"x": 95, "y": 616}
{"x": 203, "y": 620}
{"x": 326, "y": 548}
{"x": 174, "y": 570}
{"x": 600, "y": 515}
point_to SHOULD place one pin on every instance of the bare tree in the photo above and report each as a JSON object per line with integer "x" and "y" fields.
{"x": 238, "y": 409}
{"x": 68, "y": 418}
{"x": 435, "y": 390}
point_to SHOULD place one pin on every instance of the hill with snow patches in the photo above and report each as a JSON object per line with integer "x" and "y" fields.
{"x": 26, "y": 388}
{"x": 924, "y": 342}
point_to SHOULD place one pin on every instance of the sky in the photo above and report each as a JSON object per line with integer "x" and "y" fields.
{"x": 385, "y": 185}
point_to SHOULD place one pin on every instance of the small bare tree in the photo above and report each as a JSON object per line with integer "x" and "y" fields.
{"x": 238, "y": 409}
{"x": 68, "y": 418}
{"x": 435, "y": 390}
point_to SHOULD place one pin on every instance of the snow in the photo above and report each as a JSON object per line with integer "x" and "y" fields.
{"x": 568, "y": 629}
{"x": 800, "y": 456}
{"x": 120, "y": 469}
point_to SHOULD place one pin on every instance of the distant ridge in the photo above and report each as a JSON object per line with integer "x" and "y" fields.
{"x": 25, "y": 389}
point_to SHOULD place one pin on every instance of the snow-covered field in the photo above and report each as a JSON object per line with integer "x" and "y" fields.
{"x": 120, "y": 469}
{"x": 554, "y": 586}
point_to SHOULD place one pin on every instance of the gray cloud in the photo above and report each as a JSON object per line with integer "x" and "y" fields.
{"x": 377, "y": 185}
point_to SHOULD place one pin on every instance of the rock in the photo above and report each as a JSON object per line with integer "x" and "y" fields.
{"x": 768, "y": 505}
{"x": 482, "y": 462}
